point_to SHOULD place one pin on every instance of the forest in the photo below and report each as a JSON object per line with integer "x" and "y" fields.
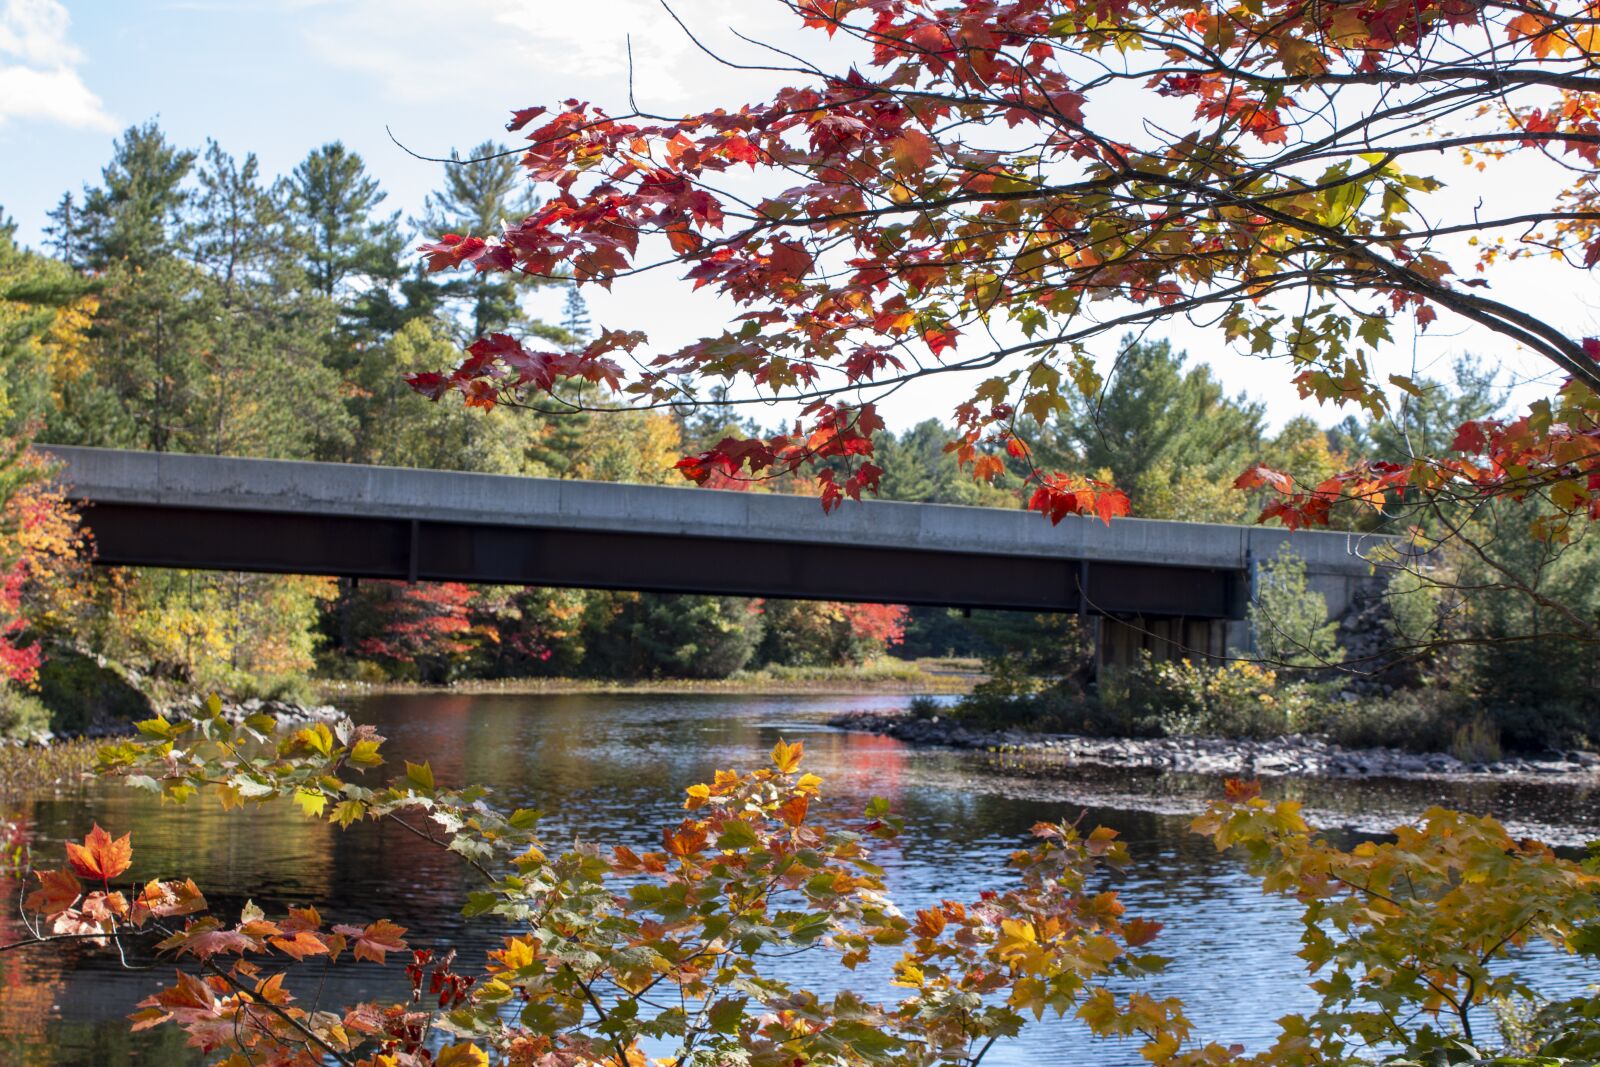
{"x": 189, "y": 302}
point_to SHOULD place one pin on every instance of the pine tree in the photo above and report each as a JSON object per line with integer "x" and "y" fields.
{"x": 136, "y": 212}
{"x": 331, "y": 200}
{"x": 481, "y": 195}
{"x": 1155, "y": 426}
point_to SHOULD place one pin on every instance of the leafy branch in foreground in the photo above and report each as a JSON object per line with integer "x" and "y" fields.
{"x": 676, "y": 956}
{"x": 969, "y": 191}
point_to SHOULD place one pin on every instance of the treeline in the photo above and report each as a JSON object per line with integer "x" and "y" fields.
{"x": 189, "y": 302}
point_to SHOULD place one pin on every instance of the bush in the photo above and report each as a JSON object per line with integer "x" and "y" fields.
{"x": 1289, "y": 623}
{"x": 1419, "y": 720}
{"x": 21, "y": 713}
{"x": 1189, "y": 699}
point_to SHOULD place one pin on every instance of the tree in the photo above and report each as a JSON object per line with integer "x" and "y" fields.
{"x": 426, "y": 626}
{"x": 133, "y": 217}
{"x": 646, "y": 635}
{"x": 817, "y": 633}
{"x": 981, "y": 176}
{"x": 45, "y": 310}
{"x": 1289, "y": 622}
{"x": 483, "y": 194}
{"x": 331, "y": 203}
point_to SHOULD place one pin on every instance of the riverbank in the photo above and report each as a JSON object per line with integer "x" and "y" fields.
{"x": 1292, "y": 756}
{"x": 945, "y": 677}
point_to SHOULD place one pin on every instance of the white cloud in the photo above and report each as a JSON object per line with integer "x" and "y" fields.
{"x": 39, "y": 77}
{"x": 519, "y": 52}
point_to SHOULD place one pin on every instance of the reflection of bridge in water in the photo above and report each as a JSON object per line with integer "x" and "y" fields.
{"x": 1176, "y": 583}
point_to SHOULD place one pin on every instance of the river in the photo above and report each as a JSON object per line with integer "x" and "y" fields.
{"x": 612, "y": 768}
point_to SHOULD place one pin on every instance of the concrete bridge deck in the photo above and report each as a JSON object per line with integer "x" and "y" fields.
{"x": 221, "y": 513}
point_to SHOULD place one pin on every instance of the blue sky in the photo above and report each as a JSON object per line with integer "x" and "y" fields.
{"x": 279, "y": 77}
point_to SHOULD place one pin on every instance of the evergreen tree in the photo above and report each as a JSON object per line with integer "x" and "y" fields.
{"x": 134, "y": 216}
{"x": 331, "y": 200}
{"x": 238, "y": 231}
{"x": 1154, "y": 424}
{"x": 917, "y": 468}
{"x": 480, "y": 196}
{"x": 648, "y": 635}
{"x": 44, "y": 309}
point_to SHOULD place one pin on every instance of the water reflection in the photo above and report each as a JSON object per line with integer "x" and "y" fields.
{"x": 612, "y": 767}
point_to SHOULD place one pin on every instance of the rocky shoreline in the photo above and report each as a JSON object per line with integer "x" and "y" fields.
{"x": 289, "y": 716}
{"x": 1295, "y": 756}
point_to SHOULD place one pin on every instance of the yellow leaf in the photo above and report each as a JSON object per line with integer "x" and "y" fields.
{"x": 787, "y": 756}
{"x": 420, "y": 775}
{"x": 310, "y": 801}
{"x": 465, "y": 1054}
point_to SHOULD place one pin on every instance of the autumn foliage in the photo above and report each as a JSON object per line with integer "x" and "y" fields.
{"x": 41, "y": 548}
{"x": 977, "y": 197}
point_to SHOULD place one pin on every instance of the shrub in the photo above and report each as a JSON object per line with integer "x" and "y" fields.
{"x": 78, "y": 690}
{"x": 1477, "y": 741}
{"x": 1420, "y": 720}
{"x": 1187, "y": 699}
{"x": 21, "y": 713}
{"x": 1289, "y": 622}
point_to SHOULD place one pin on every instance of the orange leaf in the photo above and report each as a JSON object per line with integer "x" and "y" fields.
{"x": 375, "y": 941}
{"x": 58, "y": 891}
{"x": 167, "y": 899}
{"x": 1138, "y": 932}
{"x": 99, "y": 858}
{"x": 685, "y": 841}
{"x": 793, "y": 810}
{"x": 1238, "y": 790}
{"x": 300, "y": 945}
{"x": 913, "y": 150}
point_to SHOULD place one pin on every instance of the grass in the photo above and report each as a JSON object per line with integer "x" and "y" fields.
{"x": 29, "y": 769}
{"x": 885, "y": 675}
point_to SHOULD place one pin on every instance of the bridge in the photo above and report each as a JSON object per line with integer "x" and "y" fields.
{"x": 222, "y": 513}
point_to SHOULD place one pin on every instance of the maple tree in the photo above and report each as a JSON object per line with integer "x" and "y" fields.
{"x": 41, "y": 545}
{"x": 970, "y": 190}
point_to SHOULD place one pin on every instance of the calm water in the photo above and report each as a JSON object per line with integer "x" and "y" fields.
{"x": 613, "y": 768}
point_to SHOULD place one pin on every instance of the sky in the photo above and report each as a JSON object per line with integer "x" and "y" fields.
{"x": 279, "y": 77}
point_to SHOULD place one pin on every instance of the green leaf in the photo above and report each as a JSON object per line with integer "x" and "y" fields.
{"x": 737, "y": 834}
{"x": 726, "y": 1014}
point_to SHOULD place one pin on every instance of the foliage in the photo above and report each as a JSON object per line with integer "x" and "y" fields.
{"x": 1237, "y": 699}
{"x": 644, "y": 635}
{"x": 1289, "y": 624}
{"x": 1419, "y": 720}
{"x": 1156, "y": 427}
{"x": 817, "y": 632}
{"x": 976, "y": 196}
{"x": 22, "y": 715}
{"x": 42, "y": 553}
{"x": 600, "y": 940}
{"x": 1407, "y": 940}
{"x": 220, "y": 631}
{"x": 426, "y": 624}
{"x": 610, "y": 956}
